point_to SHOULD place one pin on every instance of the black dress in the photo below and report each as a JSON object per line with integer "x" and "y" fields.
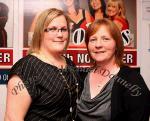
{"x": 50, "y": 96}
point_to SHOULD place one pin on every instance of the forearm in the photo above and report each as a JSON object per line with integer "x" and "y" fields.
{"x": 12, "y": 118}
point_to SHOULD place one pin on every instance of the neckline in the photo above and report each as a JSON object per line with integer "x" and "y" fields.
{"x": 103, "y": 88}
{"x": 79, "y": 21}
{"x": 51, "y": 64}
{"x": 101, "y": 91}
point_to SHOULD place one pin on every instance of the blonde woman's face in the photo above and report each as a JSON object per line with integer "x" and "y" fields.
{"x": 112, "y": 9}
{"x": 56, "y": 35}
{"x": 96, "y": 4}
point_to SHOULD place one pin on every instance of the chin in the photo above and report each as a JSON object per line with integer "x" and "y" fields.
{"x": 100, "y": 59}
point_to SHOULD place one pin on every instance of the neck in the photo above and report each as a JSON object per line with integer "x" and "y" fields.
{"x": 98, "y": 14}
{"x": 108, "y": 64}
{"x": 71, "y": 10}
{"x": 55, "y": 59}
{"x": 111, "y": 68}
{"x": 113, "y": 17}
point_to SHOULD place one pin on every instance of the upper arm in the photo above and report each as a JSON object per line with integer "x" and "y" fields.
{"x": 138, "y": 100}
{"x": 18, "y": 100}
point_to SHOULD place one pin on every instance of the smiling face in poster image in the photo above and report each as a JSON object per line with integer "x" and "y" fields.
{"x": 97, "y": 8}
{"x": 116, "y": 12}
{"x": 78, "y": 16}
{"x": 79, "y": 21}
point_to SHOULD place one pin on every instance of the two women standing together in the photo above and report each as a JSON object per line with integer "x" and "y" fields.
{"x": 46, "y": 86}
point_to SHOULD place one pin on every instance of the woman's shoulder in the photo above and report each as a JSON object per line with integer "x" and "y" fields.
{"x": 129, "y": 72}
{"x": 121, "y": 20}
{"x": 26, "y": 64}
{"x": 128, "y": 76}
{"x": 27, "y": 60}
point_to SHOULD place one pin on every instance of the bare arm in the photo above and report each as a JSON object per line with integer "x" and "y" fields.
{"x": 18, "y": 100}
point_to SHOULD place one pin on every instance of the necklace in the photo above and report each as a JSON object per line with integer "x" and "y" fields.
{"x": 66, "y": 86}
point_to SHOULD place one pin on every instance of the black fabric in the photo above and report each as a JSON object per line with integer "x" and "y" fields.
{"x": 130, "y": 97}
{"x": 50, "y": 97}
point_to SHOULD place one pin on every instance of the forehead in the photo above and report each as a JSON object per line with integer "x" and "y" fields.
{"x": 112, "y": 3}
{"x": 99, "y": 28}
{"x": 95, "y": 0}
{"x": 103, "y": 29}
{"x": 58, "y": 21}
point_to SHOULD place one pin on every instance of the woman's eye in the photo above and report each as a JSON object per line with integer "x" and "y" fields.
{"x": 105, "y": 39}
{"x": 64, "y": 30}
{"x": 53, "y": 29}
{"x": 92, "y": 40}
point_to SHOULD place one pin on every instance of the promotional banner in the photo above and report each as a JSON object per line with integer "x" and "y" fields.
{"x": 23, "y": 17}
{"x": 78, "y": 25}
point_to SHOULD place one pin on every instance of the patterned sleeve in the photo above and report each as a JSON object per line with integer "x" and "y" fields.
{"x": 25, "y": 71}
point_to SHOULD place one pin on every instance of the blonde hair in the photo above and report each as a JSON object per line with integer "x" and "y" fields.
{"x": 42, "y": 22}
{"x": 114, "y": 32}
{"x": 120, "y": 5}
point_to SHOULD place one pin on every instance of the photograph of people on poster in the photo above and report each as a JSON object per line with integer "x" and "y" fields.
{"x": 80, "y": 18}
{"x": 81, "y": 14}
{"x": 6, "y": 23}
{"x": 116, "y": 10}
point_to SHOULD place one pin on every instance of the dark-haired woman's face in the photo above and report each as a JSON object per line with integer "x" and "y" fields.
{"x": 68, "y": 2}
{"x": 96, "y": 4}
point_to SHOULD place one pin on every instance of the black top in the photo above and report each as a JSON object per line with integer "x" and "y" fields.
{"x": 130, "y": 99}
{"x": 46, "y": 86}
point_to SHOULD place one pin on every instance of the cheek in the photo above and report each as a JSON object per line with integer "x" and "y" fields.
{"x": 90, "y": 48}
{"x": 112, "y": 48}
{"x": 115, "y": 10}
{"x": 66, "y": 36}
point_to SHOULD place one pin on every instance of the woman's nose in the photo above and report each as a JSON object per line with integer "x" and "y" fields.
{"x": 98, "y": 43}
{"x": 59, "y": 33}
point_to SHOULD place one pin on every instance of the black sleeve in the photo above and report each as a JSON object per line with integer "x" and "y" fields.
{"x": 25, "y": 71}
{"x": 137, "y": 99}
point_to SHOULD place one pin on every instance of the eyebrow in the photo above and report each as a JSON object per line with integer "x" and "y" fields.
{"x": 57, "y": 27}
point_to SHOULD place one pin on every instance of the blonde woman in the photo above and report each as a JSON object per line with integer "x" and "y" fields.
{"x": 42, "y": 86}
{"x": 116, "y": 12}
